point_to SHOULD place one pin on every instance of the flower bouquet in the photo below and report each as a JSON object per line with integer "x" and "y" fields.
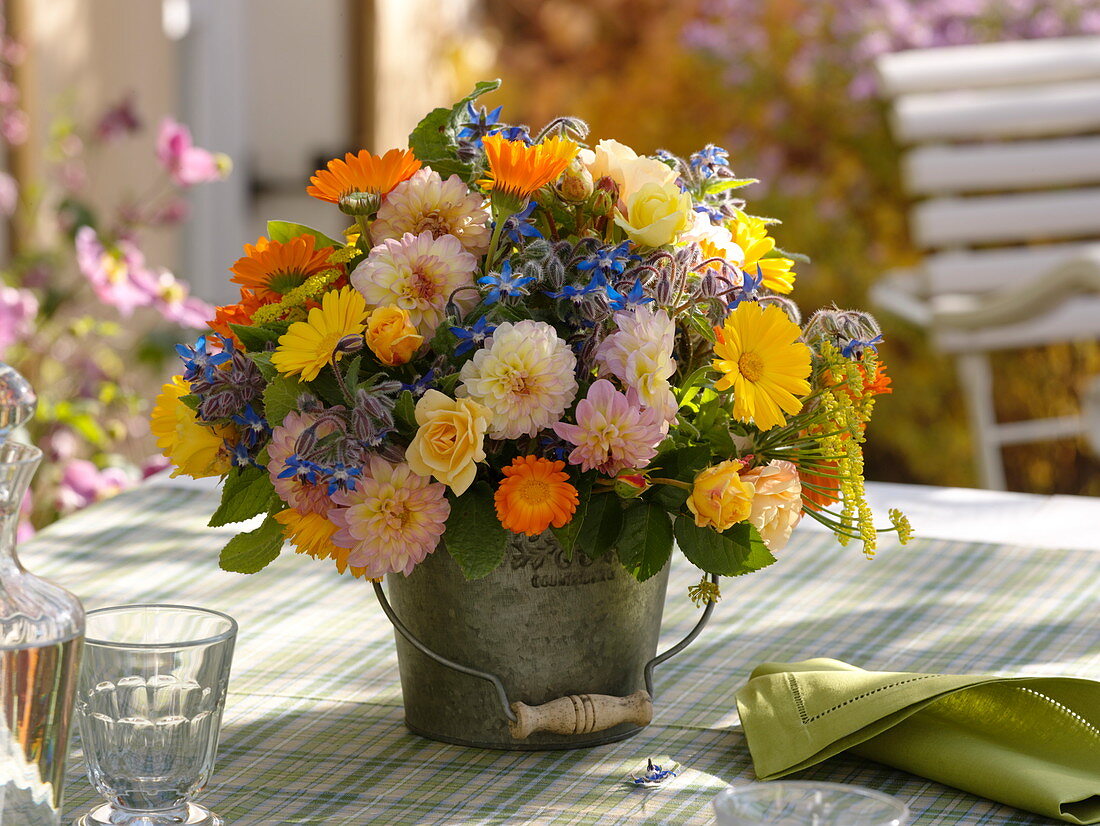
{"x": 520, "y": 334}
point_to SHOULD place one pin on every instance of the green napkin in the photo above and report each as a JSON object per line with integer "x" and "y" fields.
{"x": 1030, "y": 742}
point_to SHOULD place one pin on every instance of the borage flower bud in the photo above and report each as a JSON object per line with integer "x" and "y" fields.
{"x": 662, "y": 291}
{"x": 630, "y": 484}
{"x": 349, "y": 344}
{"x": 308, "y": 403}
{"x": 359, "y": 203}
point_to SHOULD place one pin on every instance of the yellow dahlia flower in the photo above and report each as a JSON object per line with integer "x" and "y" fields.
{"x": 760, "y": 357}
{"x": 309, "y": 345}
{"x": 197, "y": 450}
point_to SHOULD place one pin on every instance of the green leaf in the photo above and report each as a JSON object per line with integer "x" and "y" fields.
{"x": 645, "y": 543}
{"x": 404, "y": 413}
{"x": 192, "y": 400}
{"x": 701, "y": 326}
{"x": 283, "y": 231}
{"x": 776, "y": 252}
{"x": 248, "y": 492}
{"x": 351, "y": 374}
{"x": 568, "y": 533}
{"x": 599, "y": 531}
{"x": 740, "y": 550}
{"x": 255, "y": 339}
{"x": 280, "y": 397}
{"x": 247, "y": 553}
{"x": 683, "y": 465}
{"x": 264, "y": 365}
{"x": 723, "y": 184}
{"x": 433, "y": 140}
{"x": 474, "y": 536}
{"x": 327, "y": 387}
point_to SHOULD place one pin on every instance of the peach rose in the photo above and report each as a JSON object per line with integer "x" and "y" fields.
{"x": 720, "y": 498}
{"x": 777, "y": 505}
{"x": 449, "y": 441}
{"x": 656, "y": 214}
{"x": 391, "y": 335}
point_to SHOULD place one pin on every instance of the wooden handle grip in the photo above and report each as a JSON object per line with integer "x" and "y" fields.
{"x": 581, "y": 714}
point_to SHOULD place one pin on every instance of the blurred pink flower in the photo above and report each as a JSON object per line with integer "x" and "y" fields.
{"x": 83, "y": 483}
{"x": 186, "y": 163}
{"x": 9, "y": 194}
{"x": 118, "y": 121}
{"x": 118, "y": 276}
{"x": 17, "y": 311}
{"x": 171, "y": 300}
{"x": 154, "y": 465}
{"x": 61, "y": 445}
{"x": 15, "y": 126}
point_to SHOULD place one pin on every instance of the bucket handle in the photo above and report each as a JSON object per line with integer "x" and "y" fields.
{"x": 573, "y": 713}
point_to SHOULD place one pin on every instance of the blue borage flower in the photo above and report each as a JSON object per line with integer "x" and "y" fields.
{"x": 253, "y": 426}
{"x": 855, "y": 347}
{"x": 421, "y": 386}
{"x": 301, "y": 470}
{"x": 483, "y": 123}
{"x": 198, "y": 361}
{"x": 634, "y": 297}
{"x": 748, "y": 288}
{"x": 504, "y": 283}
{"x": 609, "y": 261}
{"x": 471, "y": 337}
{"x": 239, "y": 454}
{"x": 341, "y": 477}
{"x": 575, "y": 294}
{"x": 654, "y": 775}
{"x": 519, "y": 226}
{"x": 709, "y": 160}
{"x": 714, "y": 213}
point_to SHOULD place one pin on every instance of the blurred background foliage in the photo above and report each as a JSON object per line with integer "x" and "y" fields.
{"x": 787, "y": 86}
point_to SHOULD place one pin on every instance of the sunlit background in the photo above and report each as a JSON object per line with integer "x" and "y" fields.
{"x": 281, "y": 86}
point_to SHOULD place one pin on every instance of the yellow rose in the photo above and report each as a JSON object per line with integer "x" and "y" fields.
{"x": 777, "y": 501}
{"x": 657, "y": 214}
{"x": 391, "y": 336}
{"x": 449, "y": 441}
{"x": 195, "y": 449}
{"x": 720, "y": 498}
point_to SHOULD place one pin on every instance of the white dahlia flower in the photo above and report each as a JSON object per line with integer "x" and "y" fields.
{"x": 639, "y": 354}
{"x": 418, "y": 273}
{"x": 525, "y": 376}
{"x": 426, "y": 202}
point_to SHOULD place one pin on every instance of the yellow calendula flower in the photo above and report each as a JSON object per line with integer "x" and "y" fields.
{"x": 311, "y": 533}
{"x": 760, "y": 357}
{"x": 311, "y": 344}
{"x": 197, "y": 450}
{"x": 751, "y": 235}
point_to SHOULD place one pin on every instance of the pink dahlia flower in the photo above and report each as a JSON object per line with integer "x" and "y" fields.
{"x": 298, "y": 493}
{"x": 391, "y": 521}
{"x": 613, "y": 431}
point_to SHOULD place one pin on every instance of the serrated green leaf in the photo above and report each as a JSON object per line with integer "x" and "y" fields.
{"x": 255, "y": 339}
{"x": 283, "y": 231}
{"x": 326, "y": 387}
{"x": 645, "y": 543}
{"x": 192, "y": 400}
{"x": 776, "y": 252}
{"x": 351, "y": 373}
{"x": 701, "y": 326}
{"x": 740, "y": 550}
{"x": 280, "y": 397}
{"x": 247, "y": 553}
{"x": 247, "y": 492}
{"x": 474, "y": 536}
{"x": 568, "y": 533}
{"x": 599, "y": 531}
{"x": 433, "y": 140}
{"x": 404, "y": 413}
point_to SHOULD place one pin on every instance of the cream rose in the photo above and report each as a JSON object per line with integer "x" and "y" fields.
{"x": 656, "y": 214}
{"x": 777, "y": 503}
{"x": 449, "y": 441}
{"x": 391, "y": 336}
{"x": 720, "y": 498}
{"x": 625, "y": 167}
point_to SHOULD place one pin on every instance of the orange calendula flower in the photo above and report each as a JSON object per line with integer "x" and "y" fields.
{"x": 272, "y": 268}
{"x": 364, "y": 172}
{"x": 534, "y": 494}
{"x": 877, "y": 384}
{"x": 518, "y": 169}
{"x": 239, "y": 313}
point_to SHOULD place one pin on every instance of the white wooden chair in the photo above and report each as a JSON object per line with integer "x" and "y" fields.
{"x": 1003, "y": 149}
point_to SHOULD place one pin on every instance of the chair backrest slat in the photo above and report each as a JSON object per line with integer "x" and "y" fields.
{"x": 942, "y": 169}
{"x": 977, "y": 271}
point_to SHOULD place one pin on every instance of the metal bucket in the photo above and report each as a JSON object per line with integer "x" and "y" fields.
{"x": 542, "y": 638}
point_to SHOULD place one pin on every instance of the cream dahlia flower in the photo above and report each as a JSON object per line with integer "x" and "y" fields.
{"x": 427, "y": 203}
{"x": 418, "y": 273}
{"x": 639, "y": 354}
{"x": 524, "y": 375}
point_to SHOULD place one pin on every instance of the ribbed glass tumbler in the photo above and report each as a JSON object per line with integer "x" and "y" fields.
{"x": 151, "y": 693}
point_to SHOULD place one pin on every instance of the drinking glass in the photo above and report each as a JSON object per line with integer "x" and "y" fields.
{"x": 805, "y": 803}
{"x": 150, "y": 698}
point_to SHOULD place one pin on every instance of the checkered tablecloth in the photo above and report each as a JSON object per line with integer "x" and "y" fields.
{"x": 313, "y": 728}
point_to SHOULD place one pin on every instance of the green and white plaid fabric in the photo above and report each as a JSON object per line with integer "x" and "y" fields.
{"x": 313, "y": 728}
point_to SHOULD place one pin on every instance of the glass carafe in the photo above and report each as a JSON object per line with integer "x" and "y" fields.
{"x": 41, "y": 634}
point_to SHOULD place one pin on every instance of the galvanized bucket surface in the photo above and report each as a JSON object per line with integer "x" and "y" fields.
{"x": 545, "y": 625}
